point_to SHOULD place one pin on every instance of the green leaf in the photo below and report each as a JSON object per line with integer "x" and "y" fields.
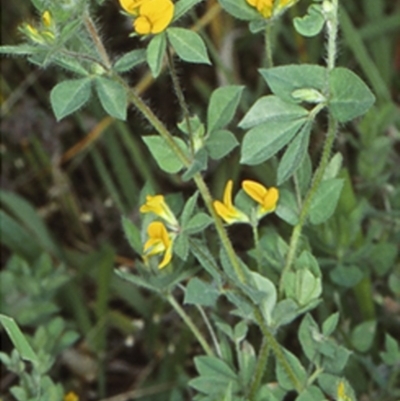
{"x": 132, "y": 234}
{"x": 325, "y": 200}
{"x": 270, "y": 295}
{"x": 265, "y": 140}
{"x": 271, "y": 108}
{"x": 25, "y": 213}
{"x": 240, "y": 10}
{"x": 130, "y": 60}
{"x": 283, "y": 379}
{"x": 287, "y": 209}
{"x": 213, "y": 366}
{"x": 69, "y": 63}
{"x": 222, "y": 106}
{"x": 333, "y": 167}
{"x": 309, "y": 337}
{"x": 198, "y": 223}
{"x": 189, "y": 45}
{"x": 220, "y": 143}
{"x": 294, "y": 154}
{"x": 383, "y": 257}
{"x": 304, "y": 174}
{"x": 181, "y": 246}
{"x": 18, "y": 339}
{"x": 284, "y": 80}
{"x": 284, "y": 312}
{"x": 189, "y": 209}
{"x": 205, "y": 258}
{"x": 113, "y": 97}
{"x": 184, "y": 6}
{"x": 163, "y": 154}
{"x": 330, "y": 324}
{"x": 199, "y": 292}
{"x": 391, "y": 356}
{"x": 18, "y": 50}
{"x": 362, "y": 336}
{"x": 17, "y": 238}
{"x": 69, "y": 96}
{"x": 312, "y": 23}
{"x": 350, "y": 96}
{"x": 311, "y": 393}
{"x": 346, "y": 276}
{"x": 155, "y": 53}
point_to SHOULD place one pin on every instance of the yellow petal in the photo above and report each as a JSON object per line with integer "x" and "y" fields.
{"x": 270, "y": 200}
{"x": 142, "y": 25}
{"x": 46, "y": 18}
{"x": 255, "y": 190}
{"x": 167, "y": 257}
{"x": 228, "y": 194}
{"x": 131, "y": 6}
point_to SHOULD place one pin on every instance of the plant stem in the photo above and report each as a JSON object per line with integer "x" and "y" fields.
{"x": 91, "y": 28}
{"x": 256, "y": 237}
{"x": 268, "y": 45}
{"x": 260, "y": 368}
{"x": 277, "y": 350}
{"x": 189, "y": 322}
{"x": 180, "y": 95}
{"x": 332, "y": 29}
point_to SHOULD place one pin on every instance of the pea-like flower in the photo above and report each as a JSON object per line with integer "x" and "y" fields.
{"x": 266, "y": 198}
{"x": 152, "y": 16}
{"x": 160, "y": 241}
{"x": 229, "y": 213}
{"x": 341, "y": 392}
{"x": 157, "y": 205}
{"x": 266, "y": 7}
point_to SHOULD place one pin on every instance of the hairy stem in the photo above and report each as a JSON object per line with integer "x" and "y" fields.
{"x": 277, "y": 350}
{"x": 180, "y": 95}
{"x": 91, "y": 28}
{"x": 260, "y": 368}
{"x": 332, "y": 29}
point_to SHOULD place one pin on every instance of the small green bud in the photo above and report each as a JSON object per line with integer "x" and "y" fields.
{"x": 309, "y": 95}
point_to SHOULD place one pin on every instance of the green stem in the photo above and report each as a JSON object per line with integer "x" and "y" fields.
{"x": 260, "y": 369}
{"x": 277, "y": 350}
{"x": 180, "y": 95}
{"x": 332, "y": 29}
{"x": 189, "y": 322}
{"x": 257, "y": 244}
{"x": 268, "y": 45}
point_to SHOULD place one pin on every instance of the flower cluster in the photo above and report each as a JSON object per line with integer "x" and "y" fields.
{"x": 151, "y": 16}
{"x": 266, "y": 199}
{"x": 267, "y": 7}
{"x": 160, "y": 239}
{"x": 41, "y": 35}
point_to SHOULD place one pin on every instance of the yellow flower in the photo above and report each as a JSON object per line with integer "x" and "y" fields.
{"x": 46, "y": 18}
{"x": 266, "y": 7}
{"x": 267, "y": 198}
{"x": 154, "y": 16}
{"x": 71, "y": 396}
{"x": 157, "y": 205}
{"x": 159, "y": 241}
{"x": 229, "y": 213}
